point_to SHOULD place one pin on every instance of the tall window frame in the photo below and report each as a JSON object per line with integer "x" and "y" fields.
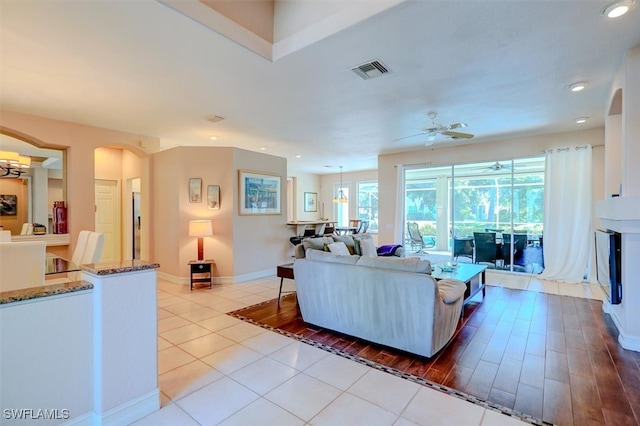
{"x": 367, "y": 203}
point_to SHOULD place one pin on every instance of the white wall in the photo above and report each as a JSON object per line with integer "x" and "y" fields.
{"x": 349, "y": 179}
{"x": 305, "y": 182}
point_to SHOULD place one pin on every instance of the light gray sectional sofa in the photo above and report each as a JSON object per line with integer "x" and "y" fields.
{"x": 392, "y": 301}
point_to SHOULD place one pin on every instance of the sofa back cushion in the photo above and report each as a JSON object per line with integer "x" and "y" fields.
{"x": 406, "y": 264}
{"x": 325, "y": 256}
{"x": 316, "y": 243}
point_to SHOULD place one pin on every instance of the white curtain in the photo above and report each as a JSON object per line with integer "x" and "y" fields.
{"x": 567, "y": 213}
{"x": 398, "y": 236}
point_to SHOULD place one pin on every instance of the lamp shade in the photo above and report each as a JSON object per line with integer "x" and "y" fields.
{"x": 200, "y": 228}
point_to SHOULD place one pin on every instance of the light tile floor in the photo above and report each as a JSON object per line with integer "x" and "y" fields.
{"x": 215, "y": 369}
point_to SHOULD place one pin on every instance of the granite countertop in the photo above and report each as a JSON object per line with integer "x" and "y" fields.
{"x": 43, "y": 291}
{"x": 101, "y": 269}
{"x": 110, "y": 268}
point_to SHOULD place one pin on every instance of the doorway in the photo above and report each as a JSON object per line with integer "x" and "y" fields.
{"x": 107, "y": 218}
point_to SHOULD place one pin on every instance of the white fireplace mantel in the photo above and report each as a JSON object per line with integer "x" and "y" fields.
{"x": 620, "y": 214}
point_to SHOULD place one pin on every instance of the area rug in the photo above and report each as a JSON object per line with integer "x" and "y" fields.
{"x": 291, "y": 325}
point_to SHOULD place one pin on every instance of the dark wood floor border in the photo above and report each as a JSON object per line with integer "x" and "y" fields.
{"x": 410, "y": 377}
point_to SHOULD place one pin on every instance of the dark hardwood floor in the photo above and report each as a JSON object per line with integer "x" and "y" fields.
{"x": 555, "y": 358}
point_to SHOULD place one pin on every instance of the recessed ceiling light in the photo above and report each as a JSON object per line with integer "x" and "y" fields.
{"x": 263, "y": 148}
{"x": 617, "y": 9}
{"x": 213, "y": 138}
{"x": 578, "y": 87}
{"x": 581, "y": 120}
{"x": 298, "y": 156}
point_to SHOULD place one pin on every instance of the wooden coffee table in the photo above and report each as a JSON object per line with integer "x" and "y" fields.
{"x": 469, "y": 273}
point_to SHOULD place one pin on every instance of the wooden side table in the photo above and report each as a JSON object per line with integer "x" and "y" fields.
{"x": 201, "y": 272}
{"x": 284, "y": 271}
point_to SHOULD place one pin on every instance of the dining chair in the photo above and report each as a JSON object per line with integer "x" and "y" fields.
{"x": 93, "y": 251}
{"x": 463, "y": 247}
{"x": 22, "y": 264}
{"x": 486, "y": 249}
{"x": 356, "y": 223}
{"x": 517, "y": 249}
{"x": 81, "y": 245}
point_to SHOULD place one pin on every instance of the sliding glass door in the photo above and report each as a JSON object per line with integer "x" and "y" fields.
{"x": 500, "y": 201}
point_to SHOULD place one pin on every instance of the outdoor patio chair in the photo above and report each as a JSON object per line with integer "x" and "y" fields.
{"x": 417, "y": 240}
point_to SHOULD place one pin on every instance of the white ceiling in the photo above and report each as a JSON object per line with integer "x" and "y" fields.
{"x": 140, "y": 66}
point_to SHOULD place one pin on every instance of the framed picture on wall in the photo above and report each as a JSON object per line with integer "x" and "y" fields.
{"x": 195, "y": 190}
{"x": 213, "y": 197}
{"x": 310, "y": 201}
{"x": 259, "y": 193}
{"x": 8, "y": 205}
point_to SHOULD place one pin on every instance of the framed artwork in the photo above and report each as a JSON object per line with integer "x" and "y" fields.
{"x": 195, "y": 190}
{"x": 213, "y": 197}
{"x": 310, "y": 201}
{"x": 259, "y": 193}
{"x": 8, "y": 205}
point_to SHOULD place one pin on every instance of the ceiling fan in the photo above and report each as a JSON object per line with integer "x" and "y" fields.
{"x": 439, "y": 129}
{"x": 497, "y": 166}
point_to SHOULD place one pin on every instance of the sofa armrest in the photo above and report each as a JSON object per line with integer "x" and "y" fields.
{"x": 451, "y": 290}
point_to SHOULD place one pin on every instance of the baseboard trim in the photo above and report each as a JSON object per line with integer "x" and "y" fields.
{"x": 130, "y": 411}
{"x": 631, "y": 343}
{"x": 220, "y": 280}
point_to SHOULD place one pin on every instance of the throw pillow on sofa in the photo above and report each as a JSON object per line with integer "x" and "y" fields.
{"x": 316, "y": 243}
{"x": 368, "y": 247}
{"x": 348, "y": 240}
{"x": 326, "y": 256}
{"x": 357, "y": 240}
{"x": 339, "y": 248}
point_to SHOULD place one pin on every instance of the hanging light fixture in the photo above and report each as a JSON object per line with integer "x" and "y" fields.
{"x": 12, "y": 164}
{"x": 340, "y": 197}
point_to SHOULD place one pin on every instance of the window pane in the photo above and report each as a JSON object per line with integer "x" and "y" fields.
{"x": 368, "y": 204}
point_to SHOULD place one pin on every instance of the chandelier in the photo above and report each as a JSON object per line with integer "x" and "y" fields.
{"x": 13, "y": 165}
{"x": 340, "y": 197}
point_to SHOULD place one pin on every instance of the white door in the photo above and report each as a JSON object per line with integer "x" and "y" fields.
{"x": 108, "y": 218}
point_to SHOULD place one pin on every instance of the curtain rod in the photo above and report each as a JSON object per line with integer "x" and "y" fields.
{"x": 567, "y": 149}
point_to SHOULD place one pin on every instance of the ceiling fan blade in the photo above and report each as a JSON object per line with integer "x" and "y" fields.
{"x": 457, "y": 135}
{"x": 456, "y": 126}
{"x": 407, "y": 137}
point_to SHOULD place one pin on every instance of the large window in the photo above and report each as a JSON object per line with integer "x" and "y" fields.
{"x": 368, "y": 204}
{"x": 503, "y": 197}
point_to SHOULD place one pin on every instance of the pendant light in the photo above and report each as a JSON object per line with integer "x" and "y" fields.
{"x": 340, "y": 197}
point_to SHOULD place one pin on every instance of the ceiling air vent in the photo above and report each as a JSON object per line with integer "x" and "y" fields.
{"x": 371, "y": 70}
